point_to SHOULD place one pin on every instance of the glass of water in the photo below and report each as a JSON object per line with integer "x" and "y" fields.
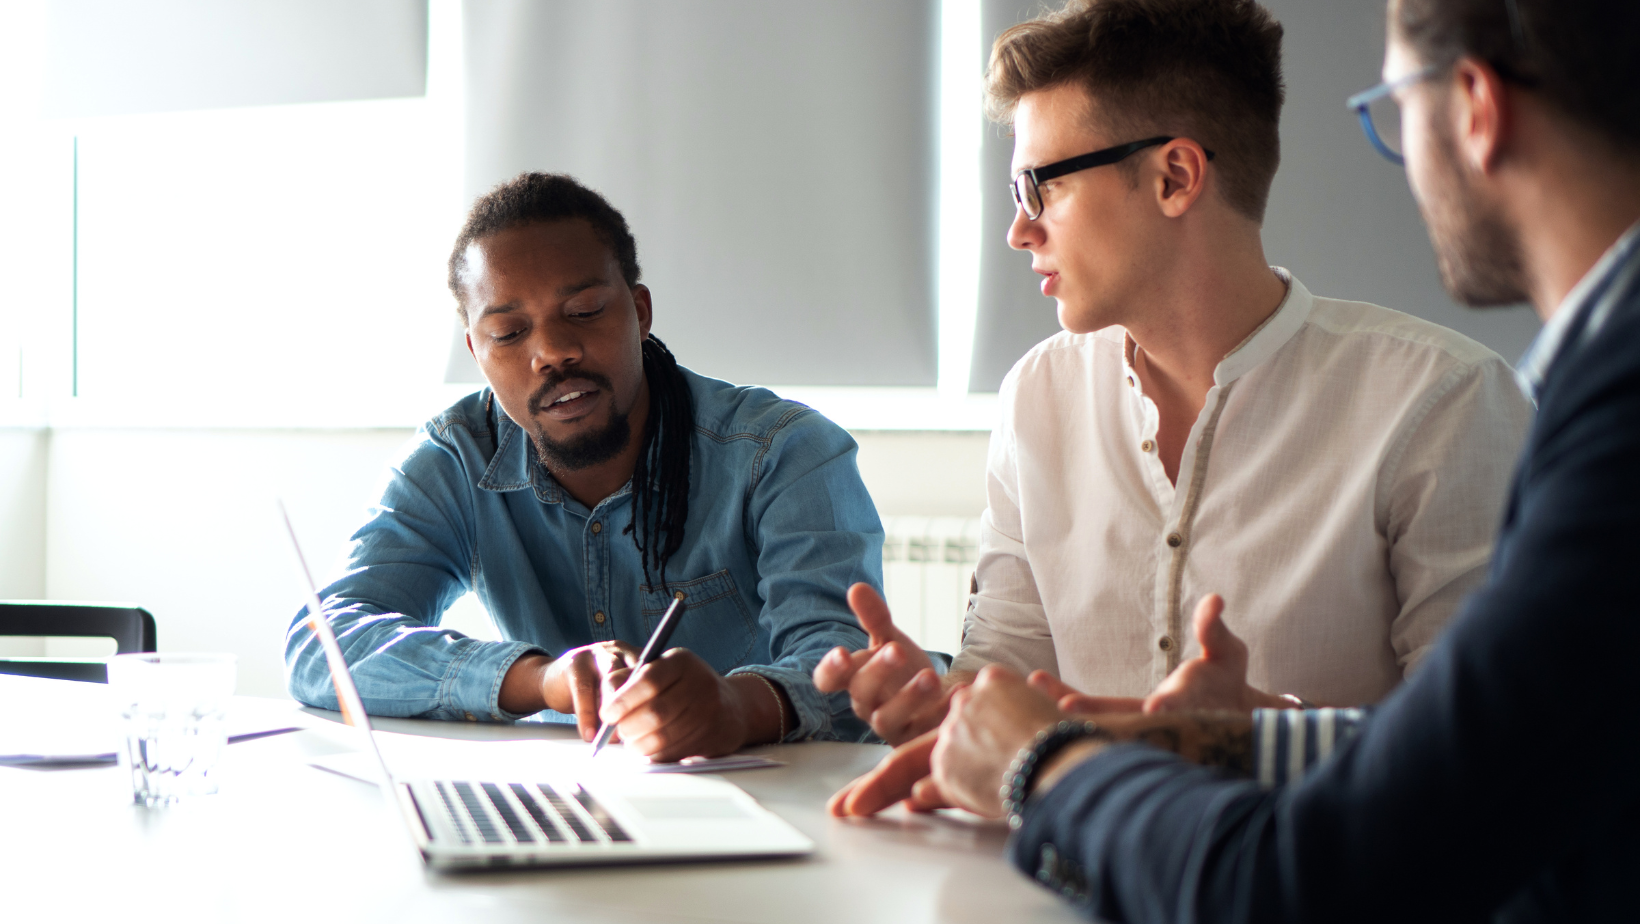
{"x": 174, "y": 709}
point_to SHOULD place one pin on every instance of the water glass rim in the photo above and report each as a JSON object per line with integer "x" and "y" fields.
{"x": 146, "y": 668}
{"x": 179, "y": 658}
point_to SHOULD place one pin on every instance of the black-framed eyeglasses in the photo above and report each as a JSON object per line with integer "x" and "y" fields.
{"x": 1029, "y": 199}
{"x": 1380, "y": 115}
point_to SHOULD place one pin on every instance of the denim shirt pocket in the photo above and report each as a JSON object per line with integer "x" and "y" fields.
{"x": 716, "y": 624}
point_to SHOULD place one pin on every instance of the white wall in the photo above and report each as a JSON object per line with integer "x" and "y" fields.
{"x": 182, "y": 522}
{"x": 924, "y": 473}
{"x": 23, "y": 454}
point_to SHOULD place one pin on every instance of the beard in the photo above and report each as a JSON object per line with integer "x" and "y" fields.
{"x": 587, "y": 449}
{"x": 1477, "y": 250}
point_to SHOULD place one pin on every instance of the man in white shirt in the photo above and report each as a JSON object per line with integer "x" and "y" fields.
{"x": 1335, "y": 469}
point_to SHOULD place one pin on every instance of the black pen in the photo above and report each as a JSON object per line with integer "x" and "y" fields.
{"x": 651, "y": 651}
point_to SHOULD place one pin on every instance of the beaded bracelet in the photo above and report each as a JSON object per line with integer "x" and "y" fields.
{"x": 1016, "y": 782}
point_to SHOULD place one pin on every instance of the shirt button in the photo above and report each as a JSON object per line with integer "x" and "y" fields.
{"x": 598, "y": 617}
{"x": 597, "y": 528}
{"x": 1130, "y": 381}
{"x": 1146, "y": 446}
{"x": 678, "y": 595}
{"x": 1165, "y": 643}
{"x": 470, "y": 717}
{"x": 1174, "y": 540}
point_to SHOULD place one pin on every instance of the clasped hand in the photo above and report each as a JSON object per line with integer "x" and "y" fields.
{"x": 961, "y": 762}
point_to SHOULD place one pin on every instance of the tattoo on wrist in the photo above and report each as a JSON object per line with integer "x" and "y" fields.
{"x": 1230, "y": 747}
{"x": 1165, "y": 738}
{"x": 1207, "y": 739}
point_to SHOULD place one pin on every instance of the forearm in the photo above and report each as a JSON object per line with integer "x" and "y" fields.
{"x": 808, "y": 712}
{"x": 767, "y": 710}
{"x": 401, "y": 666}
{"x": 1211, "y": 739}
{"x": 1262, "y": 746}
{"x": 800, "y": 639}
{"x": 523, "y": 687}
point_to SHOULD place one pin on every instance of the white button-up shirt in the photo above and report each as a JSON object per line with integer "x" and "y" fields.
{"x": 1340, "y": 488}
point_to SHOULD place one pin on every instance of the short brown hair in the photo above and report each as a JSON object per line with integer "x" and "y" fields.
{"x": 1578, "y": 54}
{"x": 1209, "y": 70}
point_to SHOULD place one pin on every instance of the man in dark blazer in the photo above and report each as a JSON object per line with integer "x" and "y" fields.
{"x": 1502, "y": 780}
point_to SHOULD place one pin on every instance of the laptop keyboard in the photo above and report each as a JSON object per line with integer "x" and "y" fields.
{"x": 516, "y": 813}
{"x": 542, "y": 822}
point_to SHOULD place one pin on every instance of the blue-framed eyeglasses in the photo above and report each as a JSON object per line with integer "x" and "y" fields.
{"x": 1380, "y": 115}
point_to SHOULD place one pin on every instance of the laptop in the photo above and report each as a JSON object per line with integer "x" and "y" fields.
{"x": 567, "y": 818}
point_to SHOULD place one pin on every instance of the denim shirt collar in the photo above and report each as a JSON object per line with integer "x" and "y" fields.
{"x": 516, "y": 466}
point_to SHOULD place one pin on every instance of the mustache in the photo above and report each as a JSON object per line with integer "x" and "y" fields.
{"x": 557, "y": 378}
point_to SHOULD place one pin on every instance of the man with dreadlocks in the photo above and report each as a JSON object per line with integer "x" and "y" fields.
{"x": 592, "y": 483}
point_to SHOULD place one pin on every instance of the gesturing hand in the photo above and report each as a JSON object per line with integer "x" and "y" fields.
{"x": 903, "y": 774}
{"x": 891, "y": 683}
{"x": 1214, "y": 681}
{"x": 1217, "y": 678}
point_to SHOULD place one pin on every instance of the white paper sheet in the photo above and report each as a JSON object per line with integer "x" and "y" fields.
{"x": 423, "y": 757}
{"x": 65, "y": 722}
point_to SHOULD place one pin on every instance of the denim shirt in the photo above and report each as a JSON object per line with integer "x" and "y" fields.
{"x": 779, "y": 526}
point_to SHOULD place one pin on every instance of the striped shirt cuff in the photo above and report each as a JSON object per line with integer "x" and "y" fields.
{"x": 1288, "y": 742}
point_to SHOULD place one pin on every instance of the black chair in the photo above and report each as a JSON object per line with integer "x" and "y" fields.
{"x": 131, "y": 628}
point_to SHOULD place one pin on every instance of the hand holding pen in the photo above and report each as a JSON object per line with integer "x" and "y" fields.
{"x": 651, "y": 651}
{"x": 670, "y": 704}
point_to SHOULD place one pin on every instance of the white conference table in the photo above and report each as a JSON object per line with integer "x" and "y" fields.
{"x": 284, "y": 841}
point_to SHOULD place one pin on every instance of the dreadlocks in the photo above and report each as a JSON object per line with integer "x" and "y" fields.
{"x": 660, "y": 481}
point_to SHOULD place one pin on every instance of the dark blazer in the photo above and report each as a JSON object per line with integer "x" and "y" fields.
{"x": 1501, "y": 782}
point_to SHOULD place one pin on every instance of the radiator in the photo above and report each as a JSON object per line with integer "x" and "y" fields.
{"x": 928, "y": 564}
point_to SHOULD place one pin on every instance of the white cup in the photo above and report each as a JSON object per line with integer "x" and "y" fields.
{"x": 174, "y": 708}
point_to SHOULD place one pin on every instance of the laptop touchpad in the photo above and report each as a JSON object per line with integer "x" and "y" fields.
{"x": 673, "y": 809}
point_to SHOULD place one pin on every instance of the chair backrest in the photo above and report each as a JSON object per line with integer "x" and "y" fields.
{"x": 131, "y": 627}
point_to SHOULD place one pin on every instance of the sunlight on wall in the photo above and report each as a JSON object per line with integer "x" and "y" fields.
{"x": 257, "y": 266}
{"x": 278, "y": 254}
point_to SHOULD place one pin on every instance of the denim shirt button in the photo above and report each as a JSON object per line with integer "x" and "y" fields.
{"x": 470, "y": 717}
{"x": 597, "y": 528}
{"x": 598, "y": 617}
